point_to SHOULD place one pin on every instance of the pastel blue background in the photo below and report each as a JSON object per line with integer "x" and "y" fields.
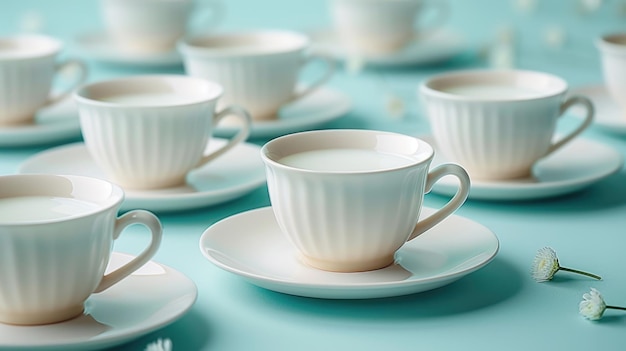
{"x": 496, "y": 308}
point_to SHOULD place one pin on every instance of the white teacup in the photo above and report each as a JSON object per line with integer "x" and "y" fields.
{"x": 148, "y": 132}
{"x": 498, "y": 124}
{"x": 613, "y": 52}
{"x": 56, "y": 238}
{"x": 349, "y": 199}
{"x": 384, "y": 26}
{"x": 28, "y": 65}
{"x": 152, "y": 26}
{"x": 259, "y": 69}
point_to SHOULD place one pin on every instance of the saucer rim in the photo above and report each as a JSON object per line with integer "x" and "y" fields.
{"x": 360, "y": 289}
{"x": 132, "y": 332}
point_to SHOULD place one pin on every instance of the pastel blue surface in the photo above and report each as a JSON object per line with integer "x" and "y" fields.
{"x": 496, "y": 308}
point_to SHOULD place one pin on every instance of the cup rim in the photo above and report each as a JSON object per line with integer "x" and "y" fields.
{"x": 188, "y": 45}
{"x": 427, "y": 87}
{"x": 82, "y": 94}
{"x": 422, "y": 153}
{"x": 114, "y": 199}
{"x": 606, "y": 44}
{"x": 51, "y": 47}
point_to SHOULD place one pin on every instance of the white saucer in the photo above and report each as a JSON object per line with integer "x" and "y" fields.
{"x": 251, "y": 245}
{"x": 322, "y": 106}
{"x": 53, "y": 124}
{"x": 232, "y": 175}
{"x": 151, "y": 298}
{"x": 436, "y": 47}
{"x": 608, "y": 115}
{"x": 576, "y": 166}
{"x": 100, "y": 47}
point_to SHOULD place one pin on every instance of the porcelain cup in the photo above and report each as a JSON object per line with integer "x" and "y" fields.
{"x": 498, "y": 124}
{"x": 149, "y": 132}
{"x": 373, "y": 27}
{"x": 258, "y": 69}
{"x": 28, "y": 65}
{"x": 153, "y": 26}
{"x": 349, "y": 199}
{"x": 613, "y": 54}
{"x": 56, "y": 239}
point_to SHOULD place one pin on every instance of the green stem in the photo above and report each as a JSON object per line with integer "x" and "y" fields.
{"x": 580, "y": 272}
{"x": 617, "y": 308}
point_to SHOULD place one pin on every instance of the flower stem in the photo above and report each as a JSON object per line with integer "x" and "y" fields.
{"x": 580, "y": 272}
{"x": 617, "y": 308}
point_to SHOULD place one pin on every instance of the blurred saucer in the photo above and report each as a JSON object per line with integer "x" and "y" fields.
{"x": 321, "y": 106}
{"x": 52, "y": 124}
{"x": 234, "y": 174}
{"x": 150, "y": 298}
{"x": 100, "y": 47}
{"x": 251, "y": 245}
{"x": 577, "y": 165}
{"x": 433, "y": 48}
{"x": 608, "y": 114}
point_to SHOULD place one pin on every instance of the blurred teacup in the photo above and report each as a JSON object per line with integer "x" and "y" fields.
{"x": 613, "y": 53}
{"x": 349, "y": 199}
{"x": 385, "y": 26}
{"x": 258, "y": 69}
{"x": 499, "y": 123}
{"x": 152, "y": 26}
{"x": 28, "y": 66}
{"x": 56, "y": 239}
{"x": 149, "y": 132}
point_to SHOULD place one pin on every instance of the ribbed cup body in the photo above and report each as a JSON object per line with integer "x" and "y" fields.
{"x": 146, "y": 147}
{"x": 493, "y": 139}
{"x": 375, "y": 26}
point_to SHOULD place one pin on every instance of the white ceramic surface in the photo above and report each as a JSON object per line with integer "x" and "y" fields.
{"x": 575, "y": 167}
{"x": 383, "y": 26}
{"x": 610, "y": 117}
{"x": 259, "y": 70}
{"x": 345, "y": 219}
{"x": 52, "y": 124}
{"x": 100, "y": 47}
{"x": 251, "y": 245}
{"x": 150, "y": 298}
{"x": 440, "y": 46}
{"x": 500, "y": 134}
{"x": 612, "y": 49}
{"x": 322, "y": 106}
{"x": 235, "y": 174}
{"x": 50, "y": 266}
{"x": 155, "y": 142}
{"x": 28, "y": 65}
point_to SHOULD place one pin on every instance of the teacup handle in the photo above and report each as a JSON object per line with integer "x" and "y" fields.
{"x": 133, "y": 217}
{"x": 457, "y": 200}
{"x": 442, "y": 10}
{"x": 574, "y": 100}
{"x": 81, "y": 78}
{"x": 209, "y": 14}
{"x": 330, "y": 69}
{"x": 241, "y": 136}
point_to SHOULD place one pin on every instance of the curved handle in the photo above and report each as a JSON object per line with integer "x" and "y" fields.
{"x": 133, "y": 217}
{"x": 330, "y": 69}
{"x": 208, "y": 15}
{"x": 442, "y": 10}
{"x": 241, "y": 136}
{"x": 457, "y": 200}
{"x": 574, "y": 100}
{"x": 81, "y": 78}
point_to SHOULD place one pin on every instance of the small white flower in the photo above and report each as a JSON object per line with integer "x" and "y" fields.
{"x": 395, "y": 106}
{"x": 592, "y": 306}
{"x": 546, "y": 264}
{"x": 555, "y": 37}
{"x": 526, "y": 6}
{"x": 160, "y": 345}
{"x": 588, "y": 6}
{"x": 31, "y": 22}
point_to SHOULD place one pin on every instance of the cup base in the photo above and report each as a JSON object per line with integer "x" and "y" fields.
{"x": 348, "y": 267}
{"x": 500, "y": 176}
{"x": 18, "y": 121}
{"x": 149, "y": 185}
{"x": 40, "y": 318}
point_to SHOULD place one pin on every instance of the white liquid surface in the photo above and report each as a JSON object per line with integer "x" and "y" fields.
{"x": 345, "y": 160}
{"x": 149, "y": 99}
{"x": 41, "y": 208}
{"x": 493, "y": 91}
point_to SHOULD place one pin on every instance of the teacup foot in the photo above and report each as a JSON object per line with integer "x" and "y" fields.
{"x": 41, "y": 317}
{"x": 348, "y": 266}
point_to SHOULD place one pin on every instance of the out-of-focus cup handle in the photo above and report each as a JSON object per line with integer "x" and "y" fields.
{"x": 241, "y": 135}
{"x": 574, "y": 100}
{"x": 457, "y": 200}
{"x": 82, "y": 67}
{"x": 330, "y": 70}
{"x": 442, "y": 10}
